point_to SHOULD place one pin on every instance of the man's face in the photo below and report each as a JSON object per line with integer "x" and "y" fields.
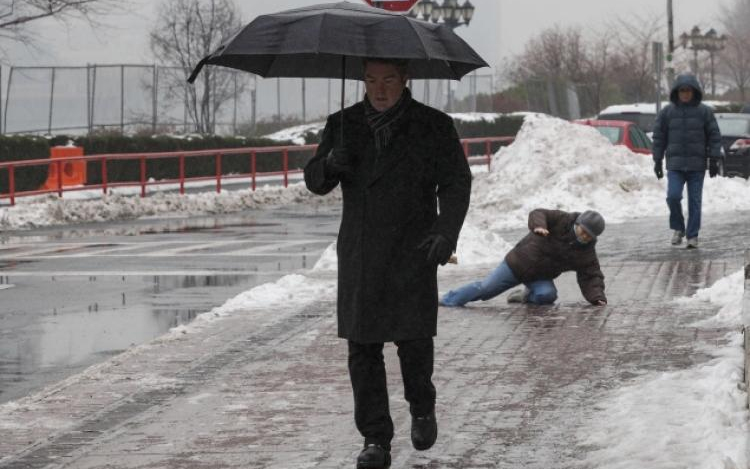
{"x": 685, "y": 93}
{"x": 582, "y": 235}
{"x": 383, "y": 84}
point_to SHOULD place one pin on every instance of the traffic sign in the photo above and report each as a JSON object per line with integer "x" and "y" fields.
{"x": 401, "y": 6}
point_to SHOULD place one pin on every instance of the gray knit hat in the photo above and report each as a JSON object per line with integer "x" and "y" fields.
{"x": 591, "y": 222}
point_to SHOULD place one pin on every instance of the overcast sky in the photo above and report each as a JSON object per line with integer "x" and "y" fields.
{"x": 499, "y": 30}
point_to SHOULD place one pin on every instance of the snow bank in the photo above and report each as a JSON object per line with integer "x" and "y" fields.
{"x": 556, "y": 164}
{"x": 52, "y": 210}
{"x": 688, "y": 418}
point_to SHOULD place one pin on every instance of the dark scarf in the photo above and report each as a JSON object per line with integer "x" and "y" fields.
{"x": 382, "y": 123}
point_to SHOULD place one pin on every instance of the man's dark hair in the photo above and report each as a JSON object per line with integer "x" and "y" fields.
{"x": 402, "y": 65}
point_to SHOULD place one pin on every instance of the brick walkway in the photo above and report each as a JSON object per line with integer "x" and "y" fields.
{"x": 269, "y": 388}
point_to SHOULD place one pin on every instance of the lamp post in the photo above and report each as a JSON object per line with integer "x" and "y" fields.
{"x": 710, "y": 42}
{"x": 450, "y": 12}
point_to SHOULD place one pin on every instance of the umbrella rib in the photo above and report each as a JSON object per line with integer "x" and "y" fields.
{"x": 421, "y": 41}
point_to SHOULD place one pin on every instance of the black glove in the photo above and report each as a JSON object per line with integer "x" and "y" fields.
{"x": 339, "y": 163}
{"x": 659, "y": 170}
{"x": 713, "y": 167}
{"x": 438, "y": 248}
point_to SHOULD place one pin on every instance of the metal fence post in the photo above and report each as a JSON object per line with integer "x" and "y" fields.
{"x": 122, "y": 99}
{"x": 155, "y": 102}
{"x": 51, "y": 104}
{"x": 1, "y": 98}
{"x": 88, "y": 97}
{"x": 304, "y": 109}
{"x": 185, "y": 110}
{"x": 253, "y": 104}
{"x": 234, "y": 108}
{"x": 278, "y": 99}
{"x": 93, "y": 98}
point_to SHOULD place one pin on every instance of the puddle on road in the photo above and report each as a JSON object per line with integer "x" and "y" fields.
{"x": 45, "y": 340}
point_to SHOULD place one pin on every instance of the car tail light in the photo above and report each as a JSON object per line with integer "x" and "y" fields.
{"x": 740, "y": 144}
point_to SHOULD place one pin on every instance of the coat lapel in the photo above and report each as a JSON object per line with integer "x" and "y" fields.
{"x": 395, "y": 152}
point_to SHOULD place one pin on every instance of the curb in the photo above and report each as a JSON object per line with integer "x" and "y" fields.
{"x": 746, "y": 322}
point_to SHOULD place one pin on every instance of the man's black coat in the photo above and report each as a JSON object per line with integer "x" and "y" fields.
{"x": 387, "y": 290}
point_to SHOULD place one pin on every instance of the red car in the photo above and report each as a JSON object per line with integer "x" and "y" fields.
{"x": 621, "y": 133}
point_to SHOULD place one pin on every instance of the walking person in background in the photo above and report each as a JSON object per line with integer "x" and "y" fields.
{"x": 686, "y": 133}
{"x": 398, "y": 162}
{"x": 558, "y": 241}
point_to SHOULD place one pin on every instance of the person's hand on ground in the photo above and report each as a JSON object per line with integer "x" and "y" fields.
{"x": 541, "y": 231}
{"x": 438, "y": 248}
{"x": 659, "y": 170}
{"x": 601, "y": 303}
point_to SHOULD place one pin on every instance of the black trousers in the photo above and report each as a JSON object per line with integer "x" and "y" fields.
{"x": 367, "y": 372}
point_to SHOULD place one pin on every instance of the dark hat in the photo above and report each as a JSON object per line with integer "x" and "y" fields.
{"x": 591, "y": 222}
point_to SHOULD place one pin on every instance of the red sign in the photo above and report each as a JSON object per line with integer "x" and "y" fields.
{"x": 401, "y": 6}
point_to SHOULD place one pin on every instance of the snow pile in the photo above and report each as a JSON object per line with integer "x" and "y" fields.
{"x": 727, "y": 293}
{"x": 52, "y": 210}
{"x": 296, "y": 134}
{"x": 479, "y": 246}
{"x": 289, "y": 291}
{"x": 556, "y": 164}
{"x": 687, "y": 418}
{"x": 328, "y": 261}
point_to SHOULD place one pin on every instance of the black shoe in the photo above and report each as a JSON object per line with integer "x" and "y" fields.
{"x": 374, "y": 457}
{"x": 424, "y": 431}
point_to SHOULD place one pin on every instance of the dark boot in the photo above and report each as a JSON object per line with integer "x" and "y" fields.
{"x": 374, "y": 457}
{"x": 424, "y": 431}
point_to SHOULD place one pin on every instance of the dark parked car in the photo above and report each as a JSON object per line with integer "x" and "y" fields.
{"x": 735, "y": 140}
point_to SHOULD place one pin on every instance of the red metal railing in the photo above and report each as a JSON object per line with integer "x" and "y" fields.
{"x": 144, "y": 182}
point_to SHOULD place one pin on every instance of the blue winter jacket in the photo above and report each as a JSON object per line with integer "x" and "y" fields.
{"x": 686, "y": 132}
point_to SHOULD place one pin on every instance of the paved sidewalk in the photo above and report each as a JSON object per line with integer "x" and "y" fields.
{"x": 269, "y": 388}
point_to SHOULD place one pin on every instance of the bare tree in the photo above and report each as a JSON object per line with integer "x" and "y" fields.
{"x": 185, "y": 32}
{"x": 735, "y": 58}
{"x": 564, "y": 58}
{"x": 17, "y": 15}
{"x": 632, "y": 69}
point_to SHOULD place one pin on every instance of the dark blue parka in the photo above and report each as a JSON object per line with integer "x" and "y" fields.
{"x": 686, "y": 132}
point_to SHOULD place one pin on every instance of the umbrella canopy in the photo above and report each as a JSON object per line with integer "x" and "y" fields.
{"x": 311, "y": 42}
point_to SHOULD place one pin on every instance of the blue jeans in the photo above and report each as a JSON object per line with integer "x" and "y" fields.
{"x": 542, "y": 292}
{"x": 676, "y": 181}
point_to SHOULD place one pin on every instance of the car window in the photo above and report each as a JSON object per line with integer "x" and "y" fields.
{"x": 729, "y": 126}
{"x": 613, "y": 134}
{"x": 639, "y": 138}
{"x": 635, "y": 139}
{"x": 643, "y": 120}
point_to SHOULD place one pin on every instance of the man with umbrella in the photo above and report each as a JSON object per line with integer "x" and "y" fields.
{"x": 405, "y": 184}
{"x": 399, "y": 162}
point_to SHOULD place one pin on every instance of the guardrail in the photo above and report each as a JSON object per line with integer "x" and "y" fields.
{"x": 252, "y": 152}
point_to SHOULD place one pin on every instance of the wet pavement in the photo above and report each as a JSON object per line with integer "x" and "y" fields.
{"x": 268, "y": 388}
{"x": 78, "y": 295}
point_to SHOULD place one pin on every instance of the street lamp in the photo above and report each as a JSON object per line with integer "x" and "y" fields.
{"x": 710, "y": 42}
{"x": 450, "y": 12}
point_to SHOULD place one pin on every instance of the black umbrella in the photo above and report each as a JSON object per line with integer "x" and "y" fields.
{"x": 315, "y": 41}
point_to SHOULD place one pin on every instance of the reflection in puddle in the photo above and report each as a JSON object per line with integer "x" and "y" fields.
{"x": 75, "y": 333}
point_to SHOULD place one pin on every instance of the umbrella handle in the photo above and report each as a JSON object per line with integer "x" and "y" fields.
{"x": 343, "y": 85}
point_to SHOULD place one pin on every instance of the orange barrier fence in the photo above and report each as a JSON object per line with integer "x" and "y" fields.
{"x": 68, "y": 167}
